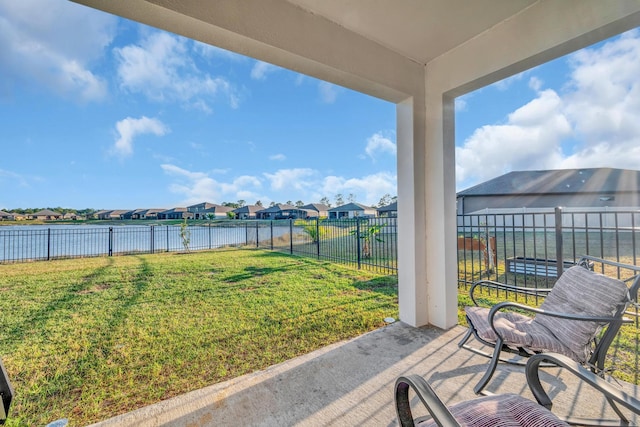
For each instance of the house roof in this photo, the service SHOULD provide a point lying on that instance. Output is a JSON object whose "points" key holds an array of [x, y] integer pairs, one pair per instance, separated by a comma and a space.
{"points": [[119, 212], [351, 207], [560, 181], [172, 210], [279, 207], [46, 212], [203, 205], [248, 209], [3, 213], [389, 208], [318, 207]]}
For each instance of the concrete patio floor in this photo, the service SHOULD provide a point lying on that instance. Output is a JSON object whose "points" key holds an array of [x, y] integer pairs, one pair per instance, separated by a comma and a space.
{"points": [[351, 383]]}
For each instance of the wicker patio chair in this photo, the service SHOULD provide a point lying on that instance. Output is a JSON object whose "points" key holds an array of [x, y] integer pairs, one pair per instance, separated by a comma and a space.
{"points": [[6, 393], [580, 316], [507, 409]]}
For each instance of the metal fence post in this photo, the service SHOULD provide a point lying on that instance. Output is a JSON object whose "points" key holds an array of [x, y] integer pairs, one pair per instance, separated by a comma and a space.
{"points": [[559, 241], [48, 244], [271, 226], [318, 236], [290, 235], [209, 235], [110, 241], [257, 235], [358, 242], [152, 239]]}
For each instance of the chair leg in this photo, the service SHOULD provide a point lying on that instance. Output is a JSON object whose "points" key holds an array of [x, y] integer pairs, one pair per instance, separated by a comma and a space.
{"points": [[465, 338], [493, 363]]}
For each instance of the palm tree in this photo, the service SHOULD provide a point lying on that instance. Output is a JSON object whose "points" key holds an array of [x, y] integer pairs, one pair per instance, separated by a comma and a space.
{"points": [[367, 234]]}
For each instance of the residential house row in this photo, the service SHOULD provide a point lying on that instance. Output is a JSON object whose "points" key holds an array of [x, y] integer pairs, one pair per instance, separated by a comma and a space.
{"points": [[204, 211]]}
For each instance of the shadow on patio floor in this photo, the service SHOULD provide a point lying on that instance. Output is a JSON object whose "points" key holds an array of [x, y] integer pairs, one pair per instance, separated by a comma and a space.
{"points": [[351, 383]]}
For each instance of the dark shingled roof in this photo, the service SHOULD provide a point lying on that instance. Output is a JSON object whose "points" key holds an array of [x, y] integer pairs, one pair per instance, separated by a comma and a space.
{"points": [[561, 181]]}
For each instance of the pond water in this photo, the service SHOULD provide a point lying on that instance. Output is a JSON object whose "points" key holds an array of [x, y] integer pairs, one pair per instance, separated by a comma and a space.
{"points": [[42, 242]]}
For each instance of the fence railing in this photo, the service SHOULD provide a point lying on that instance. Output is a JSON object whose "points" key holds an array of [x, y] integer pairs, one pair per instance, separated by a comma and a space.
{"points": [[526, 248], [533, 248], [362, 242]]}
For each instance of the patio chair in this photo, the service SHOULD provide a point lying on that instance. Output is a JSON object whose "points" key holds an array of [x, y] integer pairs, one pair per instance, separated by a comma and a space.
{"points": [[505, 409], [6, 393], [580, 317]]}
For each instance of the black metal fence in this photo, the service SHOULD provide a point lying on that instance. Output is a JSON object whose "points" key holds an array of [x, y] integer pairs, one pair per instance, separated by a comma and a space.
{"points": [[526, 248], [362, 242], [533, 248]]}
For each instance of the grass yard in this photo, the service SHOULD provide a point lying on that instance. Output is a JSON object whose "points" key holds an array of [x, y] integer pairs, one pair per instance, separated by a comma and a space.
{"points": [[87, 339]]}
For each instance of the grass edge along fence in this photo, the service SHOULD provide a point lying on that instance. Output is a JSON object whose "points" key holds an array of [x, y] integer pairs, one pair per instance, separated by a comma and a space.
{"points": [[368, 243]]}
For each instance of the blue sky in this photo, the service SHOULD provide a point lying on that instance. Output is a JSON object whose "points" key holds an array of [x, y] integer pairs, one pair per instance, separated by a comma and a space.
{"points": [[99, 112]]}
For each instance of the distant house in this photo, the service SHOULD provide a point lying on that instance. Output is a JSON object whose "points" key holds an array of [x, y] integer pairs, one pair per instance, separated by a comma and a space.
{"points": [[102, 214], [46, 215], [546, 189], [6, 216], [282, 211], [351, 210], [70, 215], [204, 210], [389, 210], [316, 210], [146, 213], [247, 211], [175, 213], [114, 214]]}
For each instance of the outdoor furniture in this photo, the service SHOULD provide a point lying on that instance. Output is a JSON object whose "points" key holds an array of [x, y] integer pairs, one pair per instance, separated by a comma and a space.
{"points": [[579, 317], [506, 409], [6, 393]]}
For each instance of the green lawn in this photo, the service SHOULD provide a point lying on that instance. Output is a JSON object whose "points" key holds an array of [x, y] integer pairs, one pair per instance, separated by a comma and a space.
{"points": [[87, 339]]}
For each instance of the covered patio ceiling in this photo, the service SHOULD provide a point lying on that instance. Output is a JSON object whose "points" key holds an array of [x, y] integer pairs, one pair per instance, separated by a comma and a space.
{"points": [[419, 54]]}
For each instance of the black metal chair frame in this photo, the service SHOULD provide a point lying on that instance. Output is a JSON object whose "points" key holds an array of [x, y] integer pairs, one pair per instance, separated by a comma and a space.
{"points": [[596, 361], [6, 392], [443, 416]]}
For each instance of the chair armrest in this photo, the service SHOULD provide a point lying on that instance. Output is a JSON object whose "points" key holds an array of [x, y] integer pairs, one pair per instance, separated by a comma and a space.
{"points": [[602, 319], [441, 415], [533, 379], [505, 287]]}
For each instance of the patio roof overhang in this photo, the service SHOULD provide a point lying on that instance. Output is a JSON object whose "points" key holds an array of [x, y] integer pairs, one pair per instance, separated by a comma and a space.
{"points": [[419, 54]]}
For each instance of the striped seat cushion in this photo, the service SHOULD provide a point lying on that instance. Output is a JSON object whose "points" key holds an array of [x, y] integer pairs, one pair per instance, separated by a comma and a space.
{"points": [[586, 293], [517, 330], [506, 410]]}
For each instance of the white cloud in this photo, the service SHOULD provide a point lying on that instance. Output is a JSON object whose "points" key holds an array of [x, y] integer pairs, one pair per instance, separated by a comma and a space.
{"points": [[196, 187], [48, 51], [160, 68], [460, 104], [261, 69], [130, 128], [529, 140], [328, 92], [593, 122], [13, 178], [378, 144], [368, 189], [278, 157], [304, 184], [535, 83], [291, 178]]}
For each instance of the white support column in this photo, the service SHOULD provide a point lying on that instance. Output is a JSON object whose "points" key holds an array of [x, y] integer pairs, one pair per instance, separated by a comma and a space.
{"points": [[412, 254]]}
